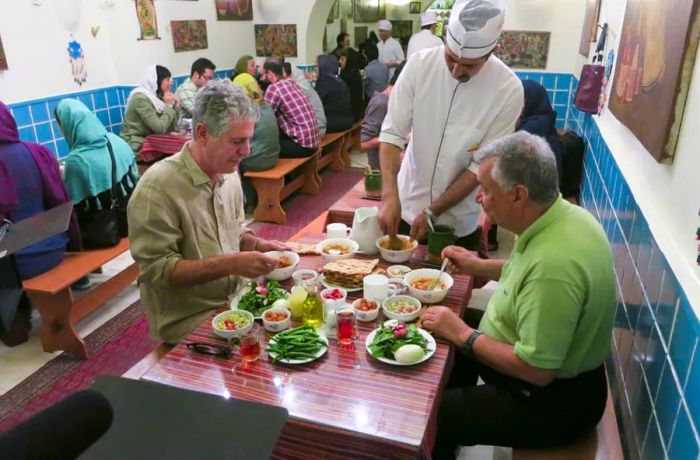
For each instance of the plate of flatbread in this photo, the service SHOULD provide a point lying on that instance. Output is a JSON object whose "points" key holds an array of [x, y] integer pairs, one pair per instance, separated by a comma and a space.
{"points": [[348, 273]]}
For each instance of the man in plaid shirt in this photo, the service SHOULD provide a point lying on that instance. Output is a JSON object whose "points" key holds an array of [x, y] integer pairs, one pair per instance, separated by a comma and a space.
{"points": [[299, 133], [202, 71]]}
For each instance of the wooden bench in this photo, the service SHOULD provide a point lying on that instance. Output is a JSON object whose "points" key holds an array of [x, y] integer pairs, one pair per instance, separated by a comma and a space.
{"points": [[271, 187], [331, 151], [51, 294]]}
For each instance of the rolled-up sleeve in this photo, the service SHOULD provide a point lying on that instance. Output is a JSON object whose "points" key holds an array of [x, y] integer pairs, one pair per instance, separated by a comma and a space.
{"points": [[154, 233], [399, 117]]}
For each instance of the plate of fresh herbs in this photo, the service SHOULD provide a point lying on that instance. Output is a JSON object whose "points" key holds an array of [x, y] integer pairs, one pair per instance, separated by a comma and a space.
{"points": [[260, 297], [383, 343]]}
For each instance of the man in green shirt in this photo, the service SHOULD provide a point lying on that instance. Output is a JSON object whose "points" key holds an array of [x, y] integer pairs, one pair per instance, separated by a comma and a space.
{"points": [[541, 344], [186, 219]]}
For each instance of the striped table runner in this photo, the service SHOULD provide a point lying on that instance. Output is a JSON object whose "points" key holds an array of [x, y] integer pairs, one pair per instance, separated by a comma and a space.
{"points": [[343, 405], [158, 145]]}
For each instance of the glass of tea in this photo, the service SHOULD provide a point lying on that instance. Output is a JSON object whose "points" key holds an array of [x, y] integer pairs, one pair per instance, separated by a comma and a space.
{"points": [[250, 345], [346, 325]]}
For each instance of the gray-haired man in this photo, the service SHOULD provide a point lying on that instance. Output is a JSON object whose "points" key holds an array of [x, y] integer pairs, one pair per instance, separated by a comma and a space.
{"points": [[186, 219], [541, 344]]}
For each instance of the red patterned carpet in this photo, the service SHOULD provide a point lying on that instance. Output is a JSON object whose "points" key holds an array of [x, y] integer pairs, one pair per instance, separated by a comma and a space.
{"points": [[123, 341]]}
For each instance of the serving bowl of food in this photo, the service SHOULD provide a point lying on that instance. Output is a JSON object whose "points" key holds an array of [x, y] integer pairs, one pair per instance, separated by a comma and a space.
{"points": [[276, 319], [397, 271], [401, 307], [398, 250], [366, 309], [337, 248], [232, 322], [288, 262], [420, 285]]}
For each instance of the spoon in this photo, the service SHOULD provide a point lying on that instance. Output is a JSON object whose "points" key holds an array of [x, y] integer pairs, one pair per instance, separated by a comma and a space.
{"points": [[442, 270], [430, 223]]}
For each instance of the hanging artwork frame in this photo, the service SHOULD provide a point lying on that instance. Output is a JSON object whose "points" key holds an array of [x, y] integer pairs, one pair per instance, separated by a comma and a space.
{"points": [[402, 28], [414, 8], [589, 31], [234, 10], [189, 35], [148, 23], [3, 58], [276, 39], [369, 10], [524, 49], [653, 71]]}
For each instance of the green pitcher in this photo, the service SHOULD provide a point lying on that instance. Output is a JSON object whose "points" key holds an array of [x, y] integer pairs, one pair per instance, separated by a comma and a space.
{"points": [[373, 183]]}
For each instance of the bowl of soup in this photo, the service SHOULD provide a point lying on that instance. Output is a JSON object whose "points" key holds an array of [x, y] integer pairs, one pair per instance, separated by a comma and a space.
{"points": [[420, 281], [401, 307], [394, 253], [337, 248], [288, 262]]}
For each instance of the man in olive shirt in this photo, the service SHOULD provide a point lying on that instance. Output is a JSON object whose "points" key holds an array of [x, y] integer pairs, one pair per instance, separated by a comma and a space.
{"points": [[542, 342], [186, 219]]}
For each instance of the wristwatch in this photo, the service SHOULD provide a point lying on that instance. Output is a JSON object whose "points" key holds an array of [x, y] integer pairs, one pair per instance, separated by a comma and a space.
{"points": [[468, 346], [430, 214]]}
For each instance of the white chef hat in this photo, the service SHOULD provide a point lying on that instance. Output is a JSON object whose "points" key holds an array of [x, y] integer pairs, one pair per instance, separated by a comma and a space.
{"points": [[475, 26], [428, 18], [384, 25]]}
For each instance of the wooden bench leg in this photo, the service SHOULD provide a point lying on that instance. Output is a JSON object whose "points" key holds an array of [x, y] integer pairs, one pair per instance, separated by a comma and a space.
{"points": [[57, 332], [312, 181], [337, 163], [269, 208], [345, 151]]}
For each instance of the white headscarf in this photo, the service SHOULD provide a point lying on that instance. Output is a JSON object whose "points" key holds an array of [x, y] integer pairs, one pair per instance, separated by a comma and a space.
{"points": [[475, 26], [148, 87]]}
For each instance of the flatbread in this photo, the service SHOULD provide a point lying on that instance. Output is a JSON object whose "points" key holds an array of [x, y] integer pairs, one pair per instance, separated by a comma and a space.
{"points": [[349, 273], [302, 249]]}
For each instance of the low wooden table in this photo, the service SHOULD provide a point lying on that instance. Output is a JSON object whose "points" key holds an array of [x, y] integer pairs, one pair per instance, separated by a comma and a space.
{"points": [[345, 404], [156, 146], [343, 210]]}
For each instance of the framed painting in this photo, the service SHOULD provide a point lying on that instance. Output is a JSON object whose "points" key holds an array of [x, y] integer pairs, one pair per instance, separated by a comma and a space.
{"points": [[345, 9], [369, 10], [234, 10], [401, 29], [3, 59], [334, 13], [522, 49], [146, 14], [414, 8], [653, 70], [360, 34], [189, 35], [276, 39], [590, 26]]}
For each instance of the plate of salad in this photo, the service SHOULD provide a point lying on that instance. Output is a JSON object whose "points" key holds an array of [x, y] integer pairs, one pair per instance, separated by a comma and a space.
{"points": [[300, 345], [400, 344], [260, 297]]}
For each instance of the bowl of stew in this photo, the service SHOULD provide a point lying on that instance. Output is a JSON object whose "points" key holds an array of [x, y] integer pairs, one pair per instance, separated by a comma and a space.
{"points": [[288, 262], [337, 248], [419, 285], [276, 319]]}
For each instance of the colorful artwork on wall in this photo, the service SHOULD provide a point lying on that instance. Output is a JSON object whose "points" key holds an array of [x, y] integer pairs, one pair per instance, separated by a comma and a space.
{"points": [[653, 71], [189, 35], [369, 10], [3, 59], [146, 13], [524, 49], [414, 8], [590, 26], [276, 39], [77, 61], [401, 29], [234, 10]]}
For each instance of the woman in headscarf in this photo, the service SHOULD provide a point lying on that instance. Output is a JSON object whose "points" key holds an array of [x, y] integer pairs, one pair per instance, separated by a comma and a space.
{"points": [[265, 144], [88, 172], [151, 108], [246, 64], [30, 183], [537, 116], [334, 95], [350, 73]]}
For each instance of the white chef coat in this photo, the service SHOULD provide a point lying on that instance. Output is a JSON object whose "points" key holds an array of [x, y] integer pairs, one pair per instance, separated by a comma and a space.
{"points": [[389, 51], [484, 108], [422, 40]]}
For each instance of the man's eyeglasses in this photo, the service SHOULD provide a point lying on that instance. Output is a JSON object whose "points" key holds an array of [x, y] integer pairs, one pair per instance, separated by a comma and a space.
{"points": [[209, 349]]}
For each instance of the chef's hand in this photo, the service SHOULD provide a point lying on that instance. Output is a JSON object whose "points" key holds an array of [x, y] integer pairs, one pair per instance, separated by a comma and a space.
{"points": [[446, 323], [461, 260], [252, 264], [419, 227], [271, 245], [390, 216]]}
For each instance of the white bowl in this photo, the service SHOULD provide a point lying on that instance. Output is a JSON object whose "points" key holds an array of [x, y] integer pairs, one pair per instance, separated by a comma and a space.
{"points": [[434, 296], [405, 317], [276, 326], [281, 274], [347, 242], [362, 315], [334, 302], [226, 334], [397, 271], [395, 256]]}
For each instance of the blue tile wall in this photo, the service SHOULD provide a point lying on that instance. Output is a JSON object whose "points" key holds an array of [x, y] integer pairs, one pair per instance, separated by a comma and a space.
{"points": [[654, 369], [35, 119]]}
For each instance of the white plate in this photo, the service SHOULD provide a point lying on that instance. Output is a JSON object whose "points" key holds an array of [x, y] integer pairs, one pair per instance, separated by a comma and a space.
{"points": [[329, 285], [430, 345], [233, 301], [318, 354]]}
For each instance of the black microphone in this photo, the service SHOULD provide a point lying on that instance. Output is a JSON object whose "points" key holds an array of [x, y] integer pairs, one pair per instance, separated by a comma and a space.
{"points": [[61, 432]]}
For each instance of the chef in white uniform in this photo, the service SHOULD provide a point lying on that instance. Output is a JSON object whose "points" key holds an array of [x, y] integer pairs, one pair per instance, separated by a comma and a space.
{"points": [[390, 51], [426, 38], [454, 98]]}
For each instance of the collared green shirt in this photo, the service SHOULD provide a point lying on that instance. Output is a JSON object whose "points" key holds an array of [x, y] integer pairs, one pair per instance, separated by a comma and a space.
{"points": [[555, 301], [176, 212]]}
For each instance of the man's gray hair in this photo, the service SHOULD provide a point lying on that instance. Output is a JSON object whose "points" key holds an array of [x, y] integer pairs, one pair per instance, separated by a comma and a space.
{"points": [[220, 102], [524, 159]]}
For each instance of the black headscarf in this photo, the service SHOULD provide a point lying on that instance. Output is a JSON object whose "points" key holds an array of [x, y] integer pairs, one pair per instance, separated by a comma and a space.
{"points": [[537, 117]]}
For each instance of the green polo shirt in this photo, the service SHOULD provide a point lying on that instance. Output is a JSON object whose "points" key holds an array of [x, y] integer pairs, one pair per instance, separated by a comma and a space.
{"points": [[556, 297]]}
